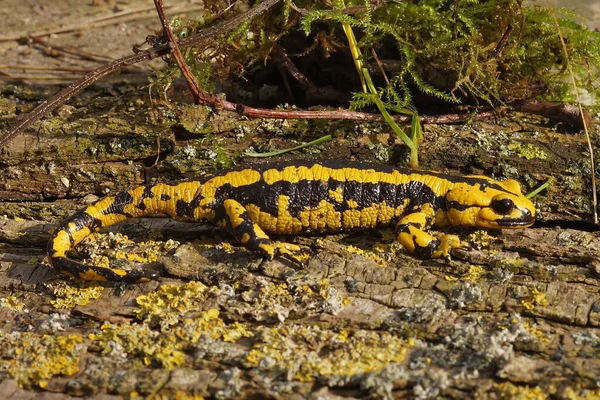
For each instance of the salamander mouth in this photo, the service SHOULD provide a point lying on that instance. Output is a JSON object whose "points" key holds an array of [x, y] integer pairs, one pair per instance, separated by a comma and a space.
{"points": [[526, 220]]}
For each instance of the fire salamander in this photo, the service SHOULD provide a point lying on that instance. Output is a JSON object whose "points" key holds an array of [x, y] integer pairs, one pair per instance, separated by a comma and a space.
{"points": [[305, 197]]}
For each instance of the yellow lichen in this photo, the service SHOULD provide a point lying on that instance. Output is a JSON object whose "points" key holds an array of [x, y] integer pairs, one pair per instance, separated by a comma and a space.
{"points": [[474, 273], [371, 255], [67, 296], [139, 341], [169, 303], [537, 333], [324, 287], [306, 353], [167, 349], [570, 394], [178, 395], [12, 303], [34, 359], [172, 321], [480, 239], [509, 390], [536, 298], [141, 252]]}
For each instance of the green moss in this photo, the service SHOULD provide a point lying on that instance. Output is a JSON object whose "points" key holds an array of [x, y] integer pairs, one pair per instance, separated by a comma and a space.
{"points": [[527, 150]]}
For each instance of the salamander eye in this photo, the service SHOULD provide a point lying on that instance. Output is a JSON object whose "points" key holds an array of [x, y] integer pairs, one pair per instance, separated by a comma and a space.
{"points": [[503, 206]]}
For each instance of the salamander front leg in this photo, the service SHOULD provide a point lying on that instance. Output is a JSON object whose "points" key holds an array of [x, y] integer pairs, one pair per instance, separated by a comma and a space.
{"points": [[239, 223], [411, 233]]}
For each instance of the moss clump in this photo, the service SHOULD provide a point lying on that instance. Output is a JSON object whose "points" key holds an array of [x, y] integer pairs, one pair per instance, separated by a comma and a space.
{"points": [[527, 151], [32, 359], [492, 51]]}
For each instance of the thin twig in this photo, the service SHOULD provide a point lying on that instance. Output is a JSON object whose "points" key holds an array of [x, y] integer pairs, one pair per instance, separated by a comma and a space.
{"points": [[380, 65], [253, 112], [502, 42], [183, 67], [62, 96], [585, 129]]}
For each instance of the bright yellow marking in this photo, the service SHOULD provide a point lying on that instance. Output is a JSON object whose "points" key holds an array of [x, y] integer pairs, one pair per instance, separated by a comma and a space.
{"points": [[285, 222], [61, 244], [290, 250], [234, 211], [479, 213], [323, 218], [265, 220], [96, 211], [78, 235], [270, 250], [294, 174], [337, 194], [244, 239], [259, 233], [379, 214], [352, 204], [91, 275], [205, 214]]}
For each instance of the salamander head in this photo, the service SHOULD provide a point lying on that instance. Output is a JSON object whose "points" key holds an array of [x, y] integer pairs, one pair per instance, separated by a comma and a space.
{"points": [[489, 204]]}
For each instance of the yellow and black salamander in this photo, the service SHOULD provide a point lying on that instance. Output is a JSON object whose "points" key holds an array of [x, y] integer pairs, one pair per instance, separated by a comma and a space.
{"points": [[304, 197]]}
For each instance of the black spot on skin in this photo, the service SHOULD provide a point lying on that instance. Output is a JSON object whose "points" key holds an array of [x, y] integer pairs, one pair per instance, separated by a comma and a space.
{"points": [[165, 197], [184, 209]]}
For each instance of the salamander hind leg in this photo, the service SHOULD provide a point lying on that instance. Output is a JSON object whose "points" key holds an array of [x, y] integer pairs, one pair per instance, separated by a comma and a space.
{"points": [[239, 223], [412, 235]]}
